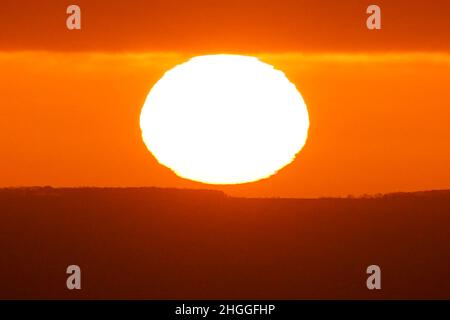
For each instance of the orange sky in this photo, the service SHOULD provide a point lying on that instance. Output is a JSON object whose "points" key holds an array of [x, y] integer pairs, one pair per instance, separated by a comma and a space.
{"points": [[378, 100]]}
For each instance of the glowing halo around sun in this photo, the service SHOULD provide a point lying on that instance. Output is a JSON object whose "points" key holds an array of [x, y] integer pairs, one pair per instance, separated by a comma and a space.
{"points": [[224, 119]]}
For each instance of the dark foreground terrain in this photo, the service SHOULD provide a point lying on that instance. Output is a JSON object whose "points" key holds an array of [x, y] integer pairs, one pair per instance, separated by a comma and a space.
{"points": [[150, 243]]}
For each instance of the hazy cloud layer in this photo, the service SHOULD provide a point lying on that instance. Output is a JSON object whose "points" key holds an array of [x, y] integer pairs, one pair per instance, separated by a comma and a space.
{"points": [[230, 25]]}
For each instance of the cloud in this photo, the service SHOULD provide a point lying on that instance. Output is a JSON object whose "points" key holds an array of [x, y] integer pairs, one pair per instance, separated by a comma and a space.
{"points": [[200, 26]]}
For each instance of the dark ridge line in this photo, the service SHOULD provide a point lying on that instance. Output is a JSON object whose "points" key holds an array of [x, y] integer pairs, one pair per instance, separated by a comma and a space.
{"points": [[390, 195]]}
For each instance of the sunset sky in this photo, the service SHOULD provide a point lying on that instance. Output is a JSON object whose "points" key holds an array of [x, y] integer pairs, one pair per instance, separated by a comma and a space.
{"points": [[378, 101]]}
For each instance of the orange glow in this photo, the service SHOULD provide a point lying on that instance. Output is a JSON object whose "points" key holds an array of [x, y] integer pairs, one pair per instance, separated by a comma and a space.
{"points": [[378, 101], [378, 122]]}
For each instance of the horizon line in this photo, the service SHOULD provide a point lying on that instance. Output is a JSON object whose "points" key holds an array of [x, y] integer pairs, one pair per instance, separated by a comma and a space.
{"points": [[364, 196]]}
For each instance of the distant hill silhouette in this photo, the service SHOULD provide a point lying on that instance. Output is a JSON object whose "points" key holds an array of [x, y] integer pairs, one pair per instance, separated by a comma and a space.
{"points": [[151, 243]]}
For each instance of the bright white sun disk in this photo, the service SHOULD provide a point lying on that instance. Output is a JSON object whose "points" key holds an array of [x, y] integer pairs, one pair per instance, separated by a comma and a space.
{"points": [[224, 119]]}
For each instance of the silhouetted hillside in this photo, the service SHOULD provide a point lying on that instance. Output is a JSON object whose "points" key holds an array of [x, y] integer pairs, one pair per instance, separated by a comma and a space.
{"points": [[155, 243]]}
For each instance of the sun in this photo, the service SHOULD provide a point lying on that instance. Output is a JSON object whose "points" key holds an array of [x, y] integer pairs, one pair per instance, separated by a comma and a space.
{"points": [[224, 119]]}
